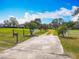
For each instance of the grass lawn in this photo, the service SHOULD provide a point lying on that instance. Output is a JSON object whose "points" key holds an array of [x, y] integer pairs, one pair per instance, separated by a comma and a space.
{"points": [[71, 43], [7, 40]]}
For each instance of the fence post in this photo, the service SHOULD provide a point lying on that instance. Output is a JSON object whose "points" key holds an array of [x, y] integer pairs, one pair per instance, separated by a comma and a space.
{"points": [[23, 33], [16, 35], [13, 32]]}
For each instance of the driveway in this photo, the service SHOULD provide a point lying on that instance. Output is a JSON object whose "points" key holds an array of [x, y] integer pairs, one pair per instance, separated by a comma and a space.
{"points": [[42, 47]]}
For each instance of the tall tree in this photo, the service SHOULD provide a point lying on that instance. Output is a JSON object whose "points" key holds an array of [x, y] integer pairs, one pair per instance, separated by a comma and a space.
{"points": [[6, 23], [60, 20], [55, 23], [55, 20], [31, 25], [38, 22], [13, 22]]}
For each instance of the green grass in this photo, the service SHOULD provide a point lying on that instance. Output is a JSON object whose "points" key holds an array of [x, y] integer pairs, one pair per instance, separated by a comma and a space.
{"points": [[7, 40], [71, 43]]}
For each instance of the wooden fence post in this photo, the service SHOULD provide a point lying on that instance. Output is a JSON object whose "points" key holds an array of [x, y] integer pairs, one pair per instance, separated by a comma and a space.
{"points": [[23, 33], [16, 35], [13, 32]]}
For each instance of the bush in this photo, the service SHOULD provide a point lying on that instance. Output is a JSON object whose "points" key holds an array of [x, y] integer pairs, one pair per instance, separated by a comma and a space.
{"points": [[62, 30]]}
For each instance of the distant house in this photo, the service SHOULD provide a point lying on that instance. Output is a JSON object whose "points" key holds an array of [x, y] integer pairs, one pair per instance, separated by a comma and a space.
{"points": [[1, 25], [21, 25]]}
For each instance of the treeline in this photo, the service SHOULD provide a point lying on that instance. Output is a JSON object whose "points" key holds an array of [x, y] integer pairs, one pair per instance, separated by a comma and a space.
{"points": [[37, 24], [12, 22]]}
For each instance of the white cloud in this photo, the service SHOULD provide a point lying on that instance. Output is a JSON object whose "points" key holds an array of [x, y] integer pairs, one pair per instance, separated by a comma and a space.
{"points": [[75, 17], [61, 13], [65, 12], [54, 14], [74, 8], [1, 20]]}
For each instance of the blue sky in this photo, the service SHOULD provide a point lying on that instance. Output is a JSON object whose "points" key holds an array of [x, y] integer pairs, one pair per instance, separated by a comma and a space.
{"points": [[18, 8]]}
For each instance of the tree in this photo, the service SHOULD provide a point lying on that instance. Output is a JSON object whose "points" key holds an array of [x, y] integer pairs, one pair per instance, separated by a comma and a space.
{"points": [[70, 24], [55, 20], [31, 25], [6, 23], [55, 23], [60, 20], [13, 22], [26, 25], [38, 22], [45, 26], [62, 30]]}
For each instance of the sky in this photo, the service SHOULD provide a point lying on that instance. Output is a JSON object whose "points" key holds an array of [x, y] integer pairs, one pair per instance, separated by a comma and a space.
{"points": [[27, 10]]}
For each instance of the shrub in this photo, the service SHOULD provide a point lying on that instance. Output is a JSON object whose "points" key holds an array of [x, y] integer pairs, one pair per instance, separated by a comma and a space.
{"points": [[62, 30]]}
